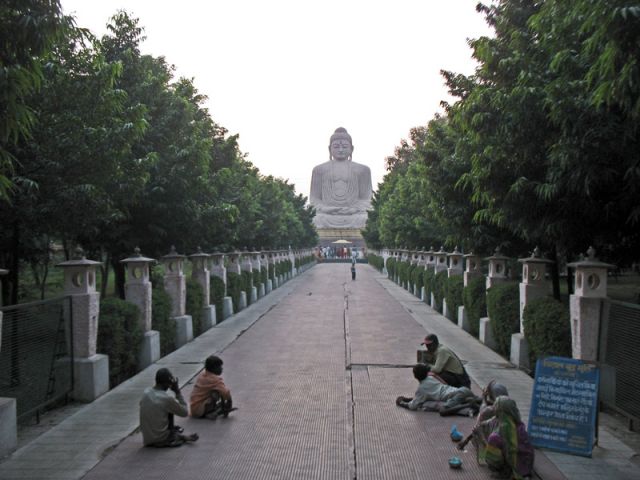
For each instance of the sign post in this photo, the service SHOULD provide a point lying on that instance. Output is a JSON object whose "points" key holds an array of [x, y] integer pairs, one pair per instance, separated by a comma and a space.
{"points": [[564, 405]]}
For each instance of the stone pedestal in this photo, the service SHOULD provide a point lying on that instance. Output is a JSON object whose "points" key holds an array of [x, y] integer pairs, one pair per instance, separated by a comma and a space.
{"points": [[446, 311], [432, 300], [261, 290], [227, 307], [208, 317], [486, 333], [150, 349], [269, 286], [8, 426], [585, 326], [243, 301], [519, 355], [184, 329], [463, 319], [140, 295], [254, 295], [91, 377]]}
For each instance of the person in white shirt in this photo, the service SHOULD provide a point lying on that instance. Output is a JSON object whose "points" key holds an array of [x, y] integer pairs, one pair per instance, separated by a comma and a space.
{"points": [[157, 410]]}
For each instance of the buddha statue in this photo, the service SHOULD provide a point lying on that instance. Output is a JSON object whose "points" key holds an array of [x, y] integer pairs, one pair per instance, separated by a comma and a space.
{"points": [[340, 188]]}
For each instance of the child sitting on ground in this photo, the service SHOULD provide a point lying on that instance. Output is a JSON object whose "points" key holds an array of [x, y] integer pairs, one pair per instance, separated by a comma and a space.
{"points": [[210, 397]]}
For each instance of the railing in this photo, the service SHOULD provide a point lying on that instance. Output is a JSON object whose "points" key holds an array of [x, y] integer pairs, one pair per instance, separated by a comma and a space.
{"points": [[36, 357]]}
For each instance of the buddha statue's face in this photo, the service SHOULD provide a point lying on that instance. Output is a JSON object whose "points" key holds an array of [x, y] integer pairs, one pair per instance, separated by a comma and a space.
{"points": [[340, 149]]}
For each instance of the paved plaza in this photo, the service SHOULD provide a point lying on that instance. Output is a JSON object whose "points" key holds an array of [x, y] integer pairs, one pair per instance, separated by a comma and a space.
{"points": [[314, 368]]}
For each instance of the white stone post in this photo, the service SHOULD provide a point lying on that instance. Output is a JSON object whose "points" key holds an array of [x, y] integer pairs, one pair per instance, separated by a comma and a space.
{"points": [[271, 259], [586, 305], [292, 258], [454, 267], [256, 264], [264, 265], [137, 290], [90, 369], [219, 270], [200, 273], [497, 274], [175, 286], [440, 260], [534, 285]]}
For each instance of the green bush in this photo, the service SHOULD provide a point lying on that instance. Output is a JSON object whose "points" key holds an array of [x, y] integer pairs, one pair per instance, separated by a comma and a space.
{"points": [[216, 295], [403, 273], [417, 278], [547, 328], [161, 319], [428, 280], [264, 276], [453, 294], [120, 337], [474, 297], [439, 289], [375, 261], [503, 308], [391, 268], [234, 287], [410, 270], [272, 272], [193, 304]]}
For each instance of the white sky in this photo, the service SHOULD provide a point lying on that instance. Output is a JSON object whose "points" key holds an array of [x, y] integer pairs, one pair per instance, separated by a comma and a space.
{"points": [[284, 74]]}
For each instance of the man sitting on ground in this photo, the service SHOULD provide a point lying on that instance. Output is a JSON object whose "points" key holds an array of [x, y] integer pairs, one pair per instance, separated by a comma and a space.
{"points": [[433, 395], [210, 397], [157, 410], [445, 363]]}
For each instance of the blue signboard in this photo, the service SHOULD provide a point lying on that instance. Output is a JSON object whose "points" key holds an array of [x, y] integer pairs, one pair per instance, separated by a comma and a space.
{"points": [[564, 405]]}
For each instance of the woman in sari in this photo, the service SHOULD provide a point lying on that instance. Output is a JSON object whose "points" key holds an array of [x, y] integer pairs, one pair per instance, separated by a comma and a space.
{"points": [[486, 422], [509, 453]]}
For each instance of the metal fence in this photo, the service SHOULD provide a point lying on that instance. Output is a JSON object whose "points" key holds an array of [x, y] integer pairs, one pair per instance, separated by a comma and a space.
{"points": [[36, 357], [620, 337]]}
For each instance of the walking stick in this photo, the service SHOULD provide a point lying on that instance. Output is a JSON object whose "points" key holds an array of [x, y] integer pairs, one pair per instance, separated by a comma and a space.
{"points": [[464, 442]]}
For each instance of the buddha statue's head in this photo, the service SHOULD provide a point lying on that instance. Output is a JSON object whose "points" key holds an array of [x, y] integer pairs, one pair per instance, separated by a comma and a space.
{"points": [[340, 146]]}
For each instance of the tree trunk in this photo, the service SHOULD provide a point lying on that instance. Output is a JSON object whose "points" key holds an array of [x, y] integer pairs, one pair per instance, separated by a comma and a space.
{"points": [[119, 278], [555, 275]]}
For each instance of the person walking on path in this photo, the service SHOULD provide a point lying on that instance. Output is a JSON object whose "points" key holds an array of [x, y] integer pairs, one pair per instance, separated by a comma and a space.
{"points": [[157, 410], [433, 395], [210, 396], [445, 363]]}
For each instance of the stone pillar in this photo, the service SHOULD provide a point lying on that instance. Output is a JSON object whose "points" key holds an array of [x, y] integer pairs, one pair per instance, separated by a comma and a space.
{"points": [[430, 262], [454, 268], [256, 264], [534, 285], [264, 266], [137, 290], [219, 270], [271, 259], [175, 286], [497, 274], [292, 258], [200, 273], [90, 369], [586, 305]]}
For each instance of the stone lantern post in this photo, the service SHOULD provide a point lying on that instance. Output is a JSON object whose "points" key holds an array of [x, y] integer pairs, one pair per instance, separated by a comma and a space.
{"points": [[256, 264], [472, 267], [292, 258], [455, 263], [137, 290], [440, 260], [272, 261], [586, 304], [497, 268], [90, 369], [534, 285], [497, 274], [431, 259], [200, 273], [175, 286], [219, 270]]}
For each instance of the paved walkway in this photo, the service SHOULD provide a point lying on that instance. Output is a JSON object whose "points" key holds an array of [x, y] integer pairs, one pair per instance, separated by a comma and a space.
{"points": [[314, 368]]}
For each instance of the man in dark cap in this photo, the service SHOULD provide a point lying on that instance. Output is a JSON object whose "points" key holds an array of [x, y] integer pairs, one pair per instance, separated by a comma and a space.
{"points": [[157, 410], [445, 363]]}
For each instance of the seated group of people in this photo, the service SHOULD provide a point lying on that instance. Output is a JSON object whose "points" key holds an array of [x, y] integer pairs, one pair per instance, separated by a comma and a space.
{"points": [[500, 437], [210, 398]]}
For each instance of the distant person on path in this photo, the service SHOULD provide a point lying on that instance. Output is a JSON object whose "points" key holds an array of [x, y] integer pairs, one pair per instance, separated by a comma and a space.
{"points": [[353, 271], [434, 395], [509, 453], [210, 397], [157, 410], [445, 363]]}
